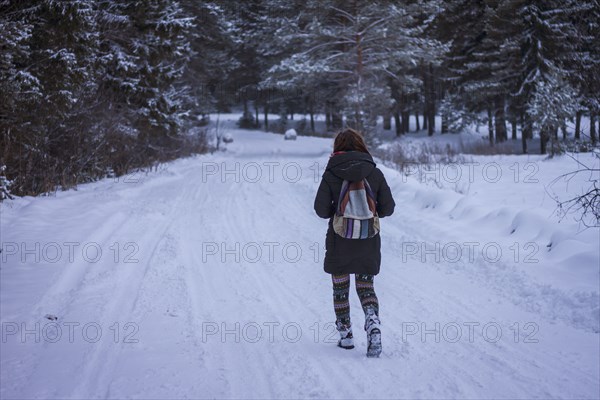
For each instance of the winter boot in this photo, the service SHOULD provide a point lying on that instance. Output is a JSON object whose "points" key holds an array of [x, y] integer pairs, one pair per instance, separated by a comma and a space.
{"points": [[373, 333], [346, 339]]}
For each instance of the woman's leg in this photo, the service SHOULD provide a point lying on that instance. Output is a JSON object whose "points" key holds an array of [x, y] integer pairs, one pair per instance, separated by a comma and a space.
{"points": [[370, 305], [366, 293], [341, 305]]}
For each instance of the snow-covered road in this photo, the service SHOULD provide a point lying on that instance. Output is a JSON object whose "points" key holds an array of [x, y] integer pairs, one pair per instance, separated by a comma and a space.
{"points": [[205, 280]]}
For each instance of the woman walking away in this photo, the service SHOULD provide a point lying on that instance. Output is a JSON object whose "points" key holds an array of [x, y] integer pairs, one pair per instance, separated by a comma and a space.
{"points": [[353, 194]]}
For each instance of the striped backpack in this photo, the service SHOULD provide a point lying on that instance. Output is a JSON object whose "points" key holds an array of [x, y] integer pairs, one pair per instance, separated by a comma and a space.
{"points": [[356, 214]]}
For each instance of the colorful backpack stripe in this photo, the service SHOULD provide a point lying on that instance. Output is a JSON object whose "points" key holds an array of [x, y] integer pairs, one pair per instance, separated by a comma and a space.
{"points": [[356, 214]]}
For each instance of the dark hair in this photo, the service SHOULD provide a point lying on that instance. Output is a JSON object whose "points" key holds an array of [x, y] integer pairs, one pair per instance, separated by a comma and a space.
{"points": [[350, 140]]}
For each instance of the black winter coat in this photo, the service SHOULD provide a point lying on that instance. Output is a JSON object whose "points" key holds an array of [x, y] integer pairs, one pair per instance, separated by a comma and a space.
{"points": [[351, 256]]}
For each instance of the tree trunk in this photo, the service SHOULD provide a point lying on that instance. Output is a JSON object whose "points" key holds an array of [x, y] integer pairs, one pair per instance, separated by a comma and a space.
{"points": [[431, 101], [431, 124], [513, 122], [500, 125], [266, 117], [500, 122], [444, 128], [593, 128], [336, 119], [543, 139], [490, 126], [312, 120], [418, 125], [328, 117], [563, 127], [257, 114], [525, 130], [399, 102], [554, 139], [360, 109], [429, 98], [406, 122], [526, 126], [387, 122], [398, 123], [578, 125]]}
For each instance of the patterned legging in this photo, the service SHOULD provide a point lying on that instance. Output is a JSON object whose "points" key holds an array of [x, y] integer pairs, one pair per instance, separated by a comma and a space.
{"points": [[341, 289]]}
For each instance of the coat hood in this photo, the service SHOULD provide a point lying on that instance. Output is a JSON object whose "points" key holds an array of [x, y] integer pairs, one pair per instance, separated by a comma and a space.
{"points": [[351, 165]]}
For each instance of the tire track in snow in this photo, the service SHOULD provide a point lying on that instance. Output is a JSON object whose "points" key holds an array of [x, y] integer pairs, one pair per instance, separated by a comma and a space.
{"points": [[61, 295], [118, 281], [100, 361], [173, 331], [249, 286]]}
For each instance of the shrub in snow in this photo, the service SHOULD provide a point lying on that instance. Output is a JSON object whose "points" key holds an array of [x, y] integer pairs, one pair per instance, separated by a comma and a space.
{"points": [[290, 134], [203, 120], [304, 128], [247, 121], [4, 185], [227, 138], [586, 205], [278, 126]]}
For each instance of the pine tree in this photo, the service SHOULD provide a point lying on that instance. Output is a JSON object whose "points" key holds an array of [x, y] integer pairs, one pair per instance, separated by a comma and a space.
{"points": [[537, 44], [48, 73], [357, 47], [89, 87], [244, 76], [465, 25], [210, 64], [586, 77]]}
